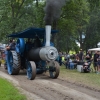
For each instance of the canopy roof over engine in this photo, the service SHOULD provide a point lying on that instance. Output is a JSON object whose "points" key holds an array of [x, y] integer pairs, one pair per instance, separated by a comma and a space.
{"points": [[31, 33]]}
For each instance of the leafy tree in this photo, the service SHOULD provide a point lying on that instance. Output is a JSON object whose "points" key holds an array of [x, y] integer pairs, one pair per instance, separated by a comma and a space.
{"points": [[77, 17], [93, 29], [17, 15], [72, 23]]}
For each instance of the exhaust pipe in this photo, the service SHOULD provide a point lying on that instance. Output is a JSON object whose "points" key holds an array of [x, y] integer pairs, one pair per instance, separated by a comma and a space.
{"points": [[48, 33]]}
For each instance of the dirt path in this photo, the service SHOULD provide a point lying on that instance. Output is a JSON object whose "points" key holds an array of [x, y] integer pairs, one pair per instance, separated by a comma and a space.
{"points": [[44, 88]]}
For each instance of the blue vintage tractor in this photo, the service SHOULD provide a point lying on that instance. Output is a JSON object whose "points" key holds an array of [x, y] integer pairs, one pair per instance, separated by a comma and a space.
{"points": [[35, 56]]}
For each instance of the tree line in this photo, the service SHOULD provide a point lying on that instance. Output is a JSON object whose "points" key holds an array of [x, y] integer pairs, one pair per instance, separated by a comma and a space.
{"points": [[78, 18]]}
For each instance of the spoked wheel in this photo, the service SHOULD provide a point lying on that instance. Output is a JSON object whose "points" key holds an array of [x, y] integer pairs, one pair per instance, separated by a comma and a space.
{"points": [[54, 70], [31, 70], [13, 63]]}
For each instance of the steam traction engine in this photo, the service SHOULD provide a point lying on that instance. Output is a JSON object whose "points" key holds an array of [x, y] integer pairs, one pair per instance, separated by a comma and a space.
{"points": [[36, 57]]}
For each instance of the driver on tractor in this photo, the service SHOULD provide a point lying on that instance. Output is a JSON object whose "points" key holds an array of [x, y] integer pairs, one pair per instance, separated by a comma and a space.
{"points": [[11, 46]]}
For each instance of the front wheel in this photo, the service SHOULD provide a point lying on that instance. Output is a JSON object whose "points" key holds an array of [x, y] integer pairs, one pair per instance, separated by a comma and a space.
{"points": [[31, 70], [54, 70]]}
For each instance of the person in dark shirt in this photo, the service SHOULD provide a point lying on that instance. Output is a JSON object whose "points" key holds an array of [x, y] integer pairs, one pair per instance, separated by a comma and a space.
{"points": [[98, 63], [60, 58], [37, 42], [96, 55], [80, 55], [88, 56], [11, 45], [28, 45]]}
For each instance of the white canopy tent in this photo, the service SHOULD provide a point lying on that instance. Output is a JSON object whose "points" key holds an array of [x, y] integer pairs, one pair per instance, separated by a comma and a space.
{"points": [[94, 49]]}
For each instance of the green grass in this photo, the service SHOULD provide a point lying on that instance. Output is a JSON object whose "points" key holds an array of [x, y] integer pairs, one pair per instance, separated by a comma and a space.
{"points": [[88, 79], [9, 92]]}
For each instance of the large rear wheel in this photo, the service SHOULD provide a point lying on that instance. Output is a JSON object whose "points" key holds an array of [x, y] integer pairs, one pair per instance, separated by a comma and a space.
{"points": [[54, 70], [31, 70], [13, 63]]}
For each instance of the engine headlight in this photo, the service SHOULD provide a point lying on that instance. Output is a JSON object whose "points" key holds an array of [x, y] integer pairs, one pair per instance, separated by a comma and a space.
{"points": [[48, 53]]}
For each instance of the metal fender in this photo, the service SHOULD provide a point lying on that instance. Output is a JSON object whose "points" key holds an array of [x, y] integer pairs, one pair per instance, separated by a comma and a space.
{"points": [[20, 45]]}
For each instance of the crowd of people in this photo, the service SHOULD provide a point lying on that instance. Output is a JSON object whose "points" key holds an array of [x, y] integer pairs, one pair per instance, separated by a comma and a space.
{"points": [[71, 61]]}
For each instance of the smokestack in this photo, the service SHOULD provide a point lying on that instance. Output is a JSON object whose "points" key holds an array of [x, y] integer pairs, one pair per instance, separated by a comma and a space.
{"points": [[52, 12], [48, 33]]}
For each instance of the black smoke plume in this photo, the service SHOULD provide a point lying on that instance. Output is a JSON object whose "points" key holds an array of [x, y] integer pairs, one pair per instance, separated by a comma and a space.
{"points": [[53, 10]]}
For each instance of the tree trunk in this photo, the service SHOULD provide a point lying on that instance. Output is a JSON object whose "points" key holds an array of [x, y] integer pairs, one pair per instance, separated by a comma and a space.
{"points": [[81, 44], [37, 3]]}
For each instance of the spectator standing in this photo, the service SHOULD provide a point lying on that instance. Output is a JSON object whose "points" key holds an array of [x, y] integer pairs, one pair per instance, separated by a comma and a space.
{"points": [[68, 56], [67, 60], [80, 55], [77, 56], [71, 64], [63, 57], [88, 56], [98, 63], [60, 58], [95, 61]]}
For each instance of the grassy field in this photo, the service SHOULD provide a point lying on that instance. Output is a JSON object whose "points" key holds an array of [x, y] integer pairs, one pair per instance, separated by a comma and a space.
{"points": [[9, 92], [88, 79]]}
